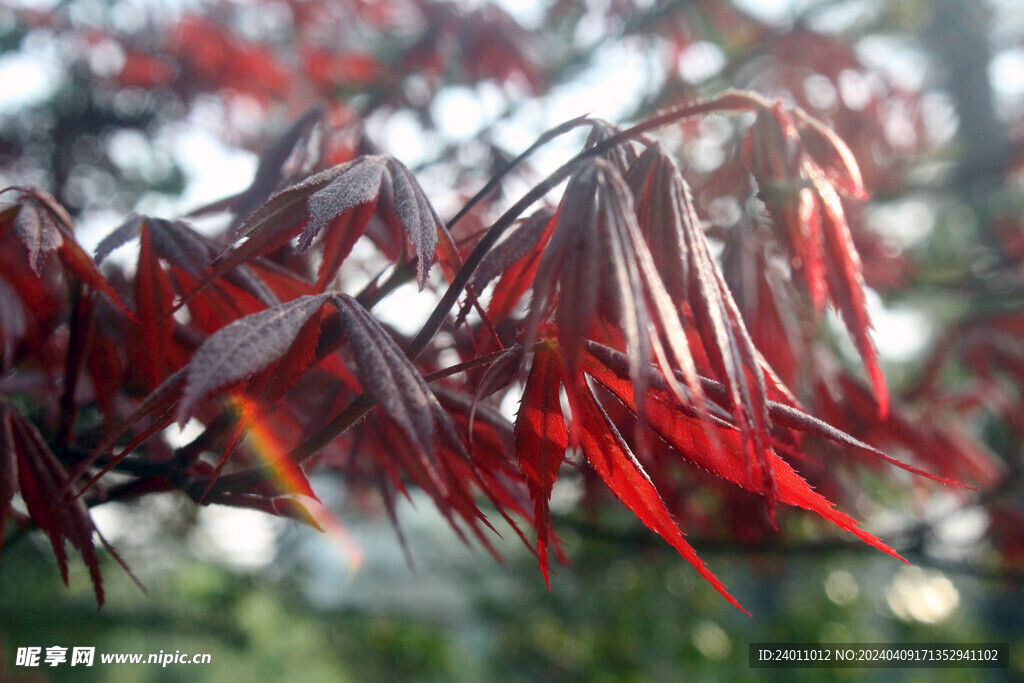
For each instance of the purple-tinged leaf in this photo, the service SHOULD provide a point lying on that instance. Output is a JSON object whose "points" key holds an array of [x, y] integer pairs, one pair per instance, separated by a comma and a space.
{"points": [[243, 348], [515, 246], [274, 169], [274, 223], [541, 441], [121, 235], [182, 246], [355, 183], [385, 183], [621, 157], [388, 376], [417, 216]]}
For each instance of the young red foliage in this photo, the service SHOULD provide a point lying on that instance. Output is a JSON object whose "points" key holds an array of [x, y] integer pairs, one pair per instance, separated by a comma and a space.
{"points": [[541, 440], [630, 315]]}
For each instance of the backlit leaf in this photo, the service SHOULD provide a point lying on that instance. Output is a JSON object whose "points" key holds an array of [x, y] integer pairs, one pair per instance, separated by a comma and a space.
{"points": [[38, 232], [605, 449], [541, 441]]}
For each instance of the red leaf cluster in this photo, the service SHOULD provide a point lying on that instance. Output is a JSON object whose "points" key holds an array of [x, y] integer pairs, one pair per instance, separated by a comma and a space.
{"points": [[631, 320]]}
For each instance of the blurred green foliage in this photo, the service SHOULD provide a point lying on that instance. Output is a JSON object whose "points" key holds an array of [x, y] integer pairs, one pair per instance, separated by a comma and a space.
{"points": [[619, 614]]}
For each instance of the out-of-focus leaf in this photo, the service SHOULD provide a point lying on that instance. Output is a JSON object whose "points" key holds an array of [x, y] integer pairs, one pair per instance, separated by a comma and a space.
{"points": [[831, 154], [13, 322], [44, 226], [800, 169], [520, 242], [8, 466], [272, 171], [39, 233], [42, 483]]}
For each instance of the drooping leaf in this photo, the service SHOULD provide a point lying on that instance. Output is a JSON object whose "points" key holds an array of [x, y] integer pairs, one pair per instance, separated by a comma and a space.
{"points": [[541, 442], [767, 301], [604, 271], [782, 415], [846, 284], [414, 212], [43, 485], [572, 261], [727, 457], [38, 232], [774, 155], [799, 186], [831, 154], [388, 376], [672, 226], [605, 449]]}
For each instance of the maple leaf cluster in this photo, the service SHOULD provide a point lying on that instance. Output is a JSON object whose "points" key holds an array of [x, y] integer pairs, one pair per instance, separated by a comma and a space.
{"points": [[657, 358]]}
